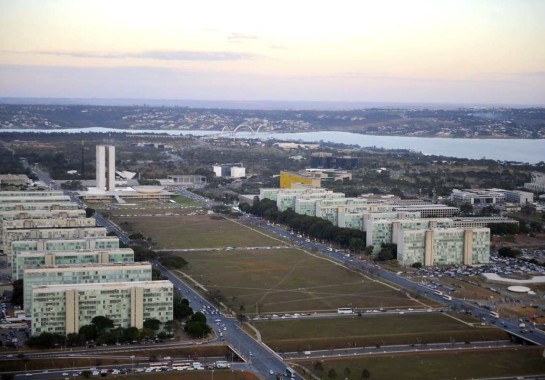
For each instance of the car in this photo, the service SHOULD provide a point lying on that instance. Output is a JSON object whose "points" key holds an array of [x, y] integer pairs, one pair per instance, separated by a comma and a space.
{"points": [[271, 372]]}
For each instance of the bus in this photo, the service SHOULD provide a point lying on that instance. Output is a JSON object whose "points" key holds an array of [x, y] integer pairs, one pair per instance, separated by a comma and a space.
{"points": [[447, 297], [494, 314], [438, 292], [345, 310], [290, 373]]}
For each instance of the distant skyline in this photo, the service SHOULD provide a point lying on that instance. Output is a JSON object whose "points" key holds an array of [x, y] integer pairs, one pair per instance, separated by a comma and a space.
{"points": [[457, 52]]}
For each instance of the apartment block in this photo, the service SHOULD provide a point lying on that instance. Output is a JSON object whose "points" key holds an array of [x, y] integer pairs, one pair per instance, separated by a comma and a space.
{"points": [[444, 246], [385, 231], [42, 205], [10, 236], [63, 309], [50, 258], [22, 224], [31, 194], [98, 243], [36, 199], [81, 274]]}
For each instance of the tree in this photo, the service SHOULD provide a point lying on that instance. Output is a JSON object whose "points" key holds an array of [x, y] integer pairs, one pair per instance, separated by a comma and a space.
{"points": [[89, 212], [197, 327], [152, 324], [181, 307], [89, 332], [332, 374], [101, 323], [75, 339], [318, 366], [387, 252], [509, 252], [17, 296], [365, 374], [417, 265]]}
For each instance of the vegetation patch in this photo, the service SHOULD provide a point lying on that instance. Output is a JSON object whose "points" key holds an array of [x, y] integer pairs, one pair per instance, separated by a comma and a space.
{"points": [[285, 280], [317, 334], [471, 364]]}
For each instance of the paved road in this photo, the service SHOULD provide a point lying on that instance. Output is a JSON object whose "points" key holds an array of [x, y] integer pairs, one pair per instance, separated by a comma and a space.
{"points": [[261, 358]]}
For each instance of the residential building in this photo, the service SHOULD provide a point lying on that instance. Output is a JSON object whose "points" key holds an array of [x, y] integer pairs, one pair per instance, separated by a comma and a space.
{"points": [[11, 235], [97, 243], [35, 206], [63, 309], [444, 246], [381, 231], [81, 274], [50, 258], [31, 193], [34, 199], [20, 224]]}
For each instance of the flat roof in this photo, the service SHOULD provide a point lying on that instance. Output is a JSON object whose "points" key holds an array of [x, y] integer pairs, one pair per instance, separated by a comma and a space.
{"points": [[87, 266], [73, 252], [106, 285]]}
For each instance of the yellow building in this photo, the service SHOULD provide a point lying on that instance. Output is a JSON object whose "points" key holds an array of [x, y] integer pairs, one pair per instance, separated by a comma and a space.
{"points": [[288, 179]]}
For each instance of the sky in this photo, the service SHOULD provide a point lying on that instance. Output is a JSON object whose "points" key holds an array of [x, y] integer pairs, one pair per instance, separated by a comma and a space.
{"points": [[477, 51]]}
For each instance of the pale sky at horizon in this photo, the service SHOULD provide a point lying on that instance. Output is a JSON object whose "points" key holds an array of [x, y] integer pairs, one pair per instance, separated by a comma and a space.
{"points": [[487, 51]]}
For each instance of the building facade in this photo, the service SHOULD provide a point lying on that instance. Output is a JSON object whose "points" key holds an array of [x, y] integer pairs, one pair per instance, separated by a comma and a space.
{"points": [[444, 246], [81, 274], [63, 309], [51, 258], [99, 243]]}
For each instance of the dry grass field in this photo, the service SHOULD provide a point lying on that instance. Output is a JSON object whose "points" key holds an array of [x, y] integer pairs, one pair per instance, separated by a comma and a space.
{"points": [[196, 231], [287, 280], [318, 334]]}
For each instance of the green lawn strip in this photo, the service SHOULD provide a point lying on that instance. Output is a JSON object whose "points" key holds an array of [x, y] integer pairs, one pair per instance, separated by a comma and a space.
{"points": [[286, 280], [314, 334], [469, 364], [196, 231]]}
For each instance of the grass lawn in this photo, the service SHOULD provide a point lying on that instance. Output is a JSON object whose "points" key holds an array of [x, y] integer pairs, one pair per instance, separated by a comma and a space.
{"points": [[286, 280], [432, 366], [196, 231], [185, 201], [315, 334]]}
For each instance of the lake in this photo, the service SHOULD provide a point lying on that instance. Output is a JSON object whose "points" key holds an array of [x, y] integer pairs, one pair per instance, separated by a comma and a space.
{"points": [[522, 150]]}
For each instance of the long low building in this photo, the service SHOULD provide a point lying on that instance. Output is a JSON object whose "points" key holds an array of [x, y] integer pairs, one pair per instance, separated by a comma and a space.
{"points": [[45, 198], [10, 235], [23, 224], [63, 309], [444, 246], [98, 243], [31, 194], [82, 274], [50, 258], [31, 206], [482, 221]]}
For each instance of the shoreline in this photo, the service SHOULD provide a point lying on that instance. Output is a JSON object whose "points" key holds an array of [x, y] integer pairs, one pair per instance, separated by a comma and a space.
{"points": [[225, 133]]}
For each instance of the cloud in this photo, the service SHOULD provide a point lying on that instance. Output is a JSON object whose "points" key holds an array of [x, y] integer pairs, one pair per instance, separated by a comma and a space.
{"points": [[278, 47], [160, 55], [239, 37]]}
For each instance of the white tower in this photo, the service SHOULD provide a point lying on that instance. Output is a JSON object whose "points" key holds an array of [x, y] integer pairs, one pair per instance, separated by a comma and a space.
{"points": [[111, 168], [104, 183], [101, 167]]}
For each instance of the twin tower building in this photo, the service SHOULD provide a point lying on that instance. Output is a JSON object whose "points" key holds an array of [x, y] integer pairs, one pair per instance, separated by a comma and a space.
{"points": [[105, 178]]}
